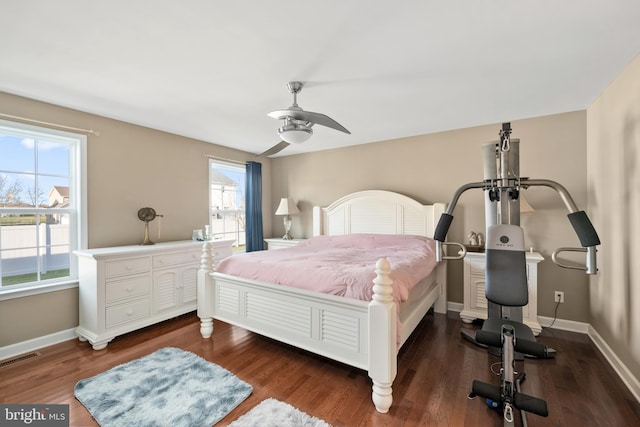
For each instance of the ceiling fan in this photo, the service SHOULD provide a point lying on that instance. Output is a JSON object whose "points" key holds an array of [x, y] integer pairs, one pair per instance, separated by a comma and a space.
{"points": [[297, 123]]}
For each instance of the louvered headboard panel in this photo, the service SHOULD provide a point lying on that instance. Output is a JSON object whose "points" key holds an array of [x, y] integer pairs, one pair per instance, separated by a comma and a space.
{"points": [[376, 211]]}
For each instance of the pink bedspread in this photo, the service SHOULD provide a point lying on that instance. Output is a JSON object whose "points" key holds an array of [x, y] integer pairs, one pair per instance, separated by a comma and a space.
{"points": [[340, 265]]}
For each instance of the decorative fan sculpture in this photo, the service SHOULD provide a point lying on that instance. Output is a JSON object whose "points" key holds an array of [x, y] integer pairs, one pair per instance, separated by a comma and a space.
{"points": [[147, 215]]}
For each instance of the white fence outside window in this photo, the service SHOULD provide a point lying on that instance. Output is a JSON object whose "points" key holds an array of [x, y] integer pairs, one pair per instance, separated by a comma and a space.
{"points": [[25, 247]]}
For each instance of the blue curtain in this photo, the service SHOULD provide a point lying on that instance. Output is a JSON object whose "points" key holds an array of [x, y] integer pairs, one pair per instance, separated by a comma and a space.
{"points": [[253, 210]]}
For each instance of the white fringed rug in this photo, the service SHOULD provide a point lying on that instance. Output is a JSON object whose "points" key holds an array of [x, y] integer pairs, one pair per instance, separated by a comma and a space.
{"points": [[273, 413]]}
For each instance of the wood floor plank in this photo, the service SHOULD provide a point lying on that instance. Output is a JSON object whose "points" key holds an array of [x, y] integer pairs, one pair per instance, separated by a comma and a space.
{"points": [[436, 368]]}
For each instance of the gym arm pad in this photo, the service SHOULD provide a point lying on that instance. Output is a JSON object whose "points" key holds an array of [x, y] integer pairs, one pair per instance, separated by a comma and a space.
{"points": [[492, 339], [443, 227], [584, 229], [531, 348], [493, 392]]}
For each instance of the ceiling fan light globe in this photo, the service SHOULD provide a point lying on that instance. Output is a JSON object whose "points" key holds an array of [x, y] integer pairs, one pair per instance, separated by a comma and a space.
{"points": [[295, 134]]}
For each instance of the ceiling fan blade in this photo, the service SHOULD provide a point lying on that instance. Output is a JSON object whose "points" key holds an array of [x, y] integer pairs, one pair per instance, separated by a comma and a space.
{"points": [[281, 114], [275, 149], [309, 116]]}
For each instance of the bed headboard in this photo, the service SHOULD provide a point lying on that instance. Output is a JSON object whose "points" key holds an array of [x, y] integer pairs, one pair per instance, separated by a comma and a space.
{"points": [[376, 211]]}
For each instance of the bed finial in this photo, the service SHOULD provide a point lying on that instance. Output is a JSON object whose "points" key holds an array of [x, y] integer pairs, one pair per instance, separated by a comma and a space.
{"points": [[382, 290]]}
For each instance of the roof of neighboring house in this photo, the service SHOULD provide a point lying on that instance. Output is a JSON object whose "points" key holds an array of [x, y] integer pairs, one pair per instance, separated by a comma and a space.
{"points": [[219, 178], [62, 191]]}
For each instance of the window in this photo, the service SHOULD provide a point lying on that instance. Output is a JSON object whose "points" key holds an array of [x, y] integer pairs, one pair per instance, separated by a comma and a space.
{"points": [[41, 208], [227, 202]]}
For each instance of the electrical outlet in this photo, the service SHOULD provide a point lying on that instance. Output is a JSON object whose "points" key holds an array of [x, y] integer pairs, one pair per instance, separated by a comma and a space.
{"points": [[558, 297]]}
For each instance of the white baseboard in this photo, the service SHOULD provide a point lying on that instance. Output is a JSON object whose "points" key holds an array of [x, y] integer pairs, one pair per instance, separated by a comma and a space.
{"points": [[564, 325], [621, 369], [454, 306], [23, 347]]}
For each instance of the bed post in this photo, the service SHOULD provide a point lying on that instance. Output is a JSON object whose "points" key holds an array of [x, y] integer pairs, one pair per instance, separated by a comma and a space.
{"points": [[205, 291], [317, 221], [382, 338]]}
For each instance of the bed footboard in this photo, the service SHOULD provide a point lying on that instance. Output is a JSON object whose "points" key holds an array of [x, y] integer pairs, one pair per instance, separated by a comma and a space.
{"points": [[358, 333]]}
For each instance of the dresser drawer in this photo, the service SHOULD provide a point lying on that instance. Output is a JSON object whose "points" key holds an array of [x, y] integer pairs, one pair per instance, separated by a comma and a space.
{"points": [[127, 266], [167, 260], [477, 267], [221, 252], [127, 287], [123, 313]]}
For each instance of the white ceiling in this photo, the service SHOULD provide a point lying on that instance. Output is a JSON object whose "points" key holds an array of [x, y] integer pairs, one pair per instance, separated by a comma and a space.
{"points": [[212, 70]]}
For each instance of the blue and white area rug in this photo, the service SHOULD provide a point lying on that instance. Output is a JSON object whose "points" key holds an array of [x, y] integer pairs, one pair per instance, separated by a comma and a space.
{"points": [[170, 387], [273, 413]]}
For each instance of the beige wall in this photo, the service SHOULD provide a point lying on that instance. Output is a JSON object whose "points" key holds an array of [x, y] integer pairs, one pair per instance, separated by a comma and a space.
{"points": [[128, 167], [594, 153], [430, 168], [613, 131], [131, 166]]}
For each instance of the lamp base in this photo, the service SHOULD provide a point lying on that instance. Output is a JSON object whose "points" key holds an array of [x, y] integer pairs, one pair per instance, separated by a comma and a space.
{"points": [[147, 240], [287, 227]]}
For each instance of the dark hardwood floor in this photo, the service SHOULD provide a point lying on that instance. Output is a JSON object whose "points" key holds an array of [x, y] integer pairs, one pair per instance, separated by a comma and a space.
{"points": [[436, 367]]}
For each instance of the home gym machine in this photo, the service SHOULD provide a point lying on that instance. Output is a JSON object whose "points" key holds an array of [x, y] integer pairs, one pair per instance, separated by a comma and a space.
{"points": [[506, 290]]}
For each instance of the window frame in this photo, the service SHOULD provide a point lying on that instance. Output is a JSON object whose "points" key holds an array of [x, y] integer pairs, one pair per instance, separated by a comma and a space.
{"points": [[77, 211], [236, 166]]}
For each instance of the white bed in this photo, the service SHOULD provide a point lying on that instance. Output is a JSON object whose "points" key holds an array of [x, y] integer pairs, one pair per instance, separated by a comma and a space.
{"points": [[332, 326]]}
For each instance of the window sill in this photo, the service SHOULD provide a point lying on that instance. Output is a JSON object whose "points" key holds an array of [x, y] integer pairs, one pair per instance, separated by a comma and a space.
{"points": [[8, 293]]}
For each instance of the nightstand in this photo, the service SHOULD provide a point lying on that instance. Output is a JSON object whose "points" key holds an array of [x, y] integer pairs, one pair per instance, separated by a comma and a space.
{"points": [[475, 303], [278, 243]]}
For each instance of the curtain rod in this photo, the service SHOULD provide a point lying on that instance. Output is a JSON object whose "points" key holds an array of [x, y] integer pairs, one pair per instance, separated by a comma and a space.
{"points": [[91, 131], [211, 156]]}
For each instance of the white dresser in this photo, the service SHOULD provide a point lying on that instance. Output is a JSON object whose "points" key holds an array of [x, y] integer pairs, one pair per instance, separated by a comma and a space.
{"points": [[475, 303], [126, 288]]}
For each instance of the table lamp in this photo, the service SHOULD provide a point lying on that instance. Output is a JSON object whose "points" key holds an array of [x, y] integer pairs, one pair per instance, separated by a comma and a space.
{"points": [[287, 208]]}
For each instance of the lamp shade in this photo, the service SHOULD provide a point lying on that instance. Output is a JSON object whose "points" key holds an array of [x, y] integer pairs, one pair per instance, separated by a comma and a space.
{"points": [[287, 207]]}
